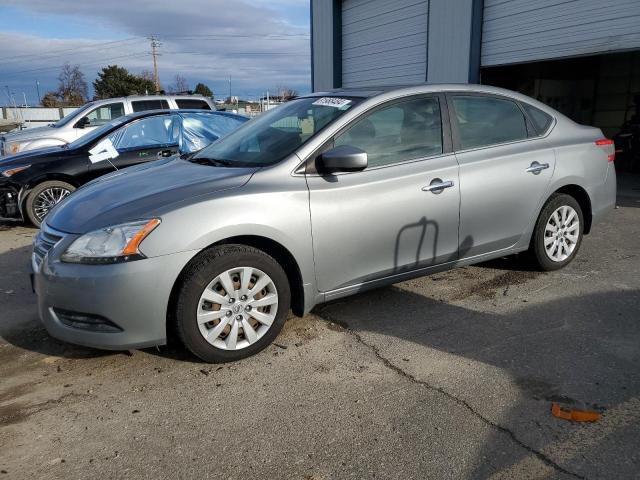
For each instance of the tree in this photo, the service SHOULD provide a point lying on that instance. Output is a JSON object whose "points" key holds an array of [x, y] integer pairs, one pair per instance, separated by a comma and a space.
{"points": [[180, 85], [50, 99], [115, 81], [202, 89], [285, 93], [72, 86]]}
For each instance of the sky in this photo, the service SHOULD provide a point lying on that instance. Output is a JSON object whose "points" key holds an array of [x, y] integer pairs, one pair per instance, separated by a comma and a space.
{"points": [[261, 44]]}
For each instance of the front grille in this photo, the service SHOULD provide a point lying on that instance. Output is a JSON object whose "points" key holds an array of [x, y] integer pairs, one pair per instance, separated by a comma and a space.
{"points": [[44, 241]]}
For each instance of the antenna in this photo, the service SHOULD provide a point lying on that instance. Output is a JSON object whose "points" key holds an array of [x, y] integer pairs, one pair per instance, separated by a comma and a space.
{"points": [[154, 53]]}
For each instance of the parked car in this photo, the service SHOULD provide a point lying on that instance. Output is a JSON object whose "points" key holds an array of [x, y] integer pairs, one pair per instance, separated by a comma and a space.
{"points": [[92, 115], [31, 183], [322, 197]]}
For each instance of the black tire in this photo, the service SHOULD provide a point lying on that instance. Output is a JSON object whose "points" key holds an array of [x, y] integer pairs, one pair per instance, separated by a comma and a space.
{"points": [[30, 203], [204, 269], [537, 250]]}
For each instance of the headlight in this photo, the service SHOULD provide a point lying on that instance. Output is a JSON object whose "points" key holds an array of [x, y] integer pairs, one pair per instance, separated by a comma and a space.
{"points": [[11, 148], [115, 244], [12, 171]]}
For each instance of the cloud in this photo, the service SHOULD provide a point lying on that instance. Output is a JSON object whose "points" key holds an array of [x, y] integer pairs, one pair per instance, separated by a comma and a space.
{"points": [[259, 46]]}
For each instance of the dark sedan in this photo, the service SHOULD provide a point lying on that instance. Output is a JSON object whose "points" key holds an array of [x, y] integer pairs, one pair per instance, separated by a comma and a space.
{"points": [[33, 182]]}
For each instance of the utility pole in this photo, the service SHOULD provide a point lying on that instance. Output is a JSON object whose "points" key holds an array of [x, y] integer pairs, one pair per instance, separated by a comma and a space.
{"points": [[230, 101], [154, 53], [38, 89]]}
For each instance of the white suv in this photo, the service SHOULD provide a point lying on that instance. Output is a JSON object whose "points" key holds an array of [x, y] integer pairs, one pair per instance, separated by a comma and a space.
{"points": [[92, 115]]}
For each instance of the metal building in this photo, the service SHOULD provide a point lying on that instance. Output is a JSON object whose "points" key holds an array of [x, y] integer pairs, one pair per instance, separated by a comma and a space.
{"points": [[581, 56]]}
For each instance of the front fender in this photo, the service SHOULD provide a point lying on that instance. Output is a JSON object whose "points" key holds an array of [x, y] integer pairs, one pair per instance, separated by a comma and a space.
{"points": [[281, 216], [43, 143]]}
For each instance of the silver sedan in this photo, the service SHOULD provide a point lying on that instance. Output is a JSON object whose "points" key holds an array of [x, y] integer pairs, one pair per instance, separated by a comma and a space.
{"points": [[323, 197]]}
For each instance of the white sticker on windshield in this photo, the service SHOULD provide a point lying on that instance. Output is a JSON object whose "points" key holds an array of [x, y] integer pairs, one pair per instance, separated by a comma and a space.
{"points": [[332, 102], [104, 150]]}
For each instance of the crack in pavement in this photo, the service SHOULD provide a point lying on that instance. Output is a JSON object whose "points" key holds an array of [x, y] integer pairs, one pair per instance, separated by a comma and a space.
{"points": [[463, 403]]}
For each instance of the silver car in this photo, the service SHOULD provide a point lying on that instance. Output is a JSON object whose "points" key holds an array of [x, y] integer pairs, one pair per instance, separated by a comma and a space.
{"points": [[91, 116], [323, 197]]}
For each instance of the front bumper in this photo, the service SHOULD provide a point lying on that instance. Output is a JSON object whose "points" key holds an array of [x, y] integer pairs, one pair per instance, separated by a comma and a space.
{"points": [[9, 199], [133, 296]]}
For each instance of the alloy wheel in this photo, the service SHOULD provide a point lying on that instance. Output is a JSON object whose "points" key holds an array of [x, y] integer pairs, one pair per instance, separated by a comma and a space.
{"points": [[47, 199], [562, 233]]}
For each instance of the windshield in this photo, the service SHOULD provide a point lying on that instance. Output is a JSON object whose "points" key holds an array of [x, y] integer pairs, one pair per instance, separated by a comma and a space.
{"points": [[97, 133], [76, 114], [276, 134]]}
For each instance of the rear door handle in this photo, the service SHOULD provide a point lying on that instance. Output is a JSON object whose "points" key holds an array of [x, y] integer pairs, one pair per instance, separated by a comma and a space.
{"points": [[536, 167], [437, 186]]}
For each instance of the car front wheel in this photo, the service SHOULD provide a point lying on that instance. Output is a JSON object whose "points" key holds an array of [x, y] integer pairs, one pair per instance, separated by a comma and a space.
{"points": [[558, 232], [232, 303], [44, 197]]}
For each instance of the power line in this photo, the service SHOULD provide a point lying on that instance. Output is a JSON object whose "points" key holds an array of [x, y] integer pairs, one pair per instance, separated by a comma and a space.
{"points": [[41, 69], [56, 53], [305, 54], [274, 36]]}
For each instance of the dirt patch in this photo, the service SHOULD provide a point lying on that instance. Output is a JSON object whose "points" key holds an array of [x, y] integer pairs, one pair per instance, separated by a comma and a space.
{"points": [[18, 412], [499, 284], [16, 391]]}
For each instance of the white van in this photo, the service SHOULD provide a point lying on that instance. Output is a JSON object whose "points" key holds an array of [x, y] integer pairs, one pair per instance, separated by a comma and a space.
{"points": [[92, 115]]}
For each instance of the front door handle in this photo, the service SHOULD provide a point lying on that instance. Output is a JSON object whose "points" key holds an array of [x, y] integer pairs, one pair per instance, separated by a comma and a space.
{"points": [[165, 153], [437, 186], [536, 167]]}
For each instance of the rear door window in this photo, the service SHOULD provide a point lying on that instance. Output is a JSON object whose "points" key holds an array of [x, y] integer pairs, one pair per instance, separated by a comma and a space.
{"points": [[192, 103], [142, 105], [485, 120], [105, 114]]}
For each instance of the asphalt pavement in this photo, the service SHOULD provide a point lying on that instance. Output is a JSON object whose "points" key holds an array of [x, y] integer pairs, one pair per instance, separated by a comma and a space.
{"points": [[447, 376]]}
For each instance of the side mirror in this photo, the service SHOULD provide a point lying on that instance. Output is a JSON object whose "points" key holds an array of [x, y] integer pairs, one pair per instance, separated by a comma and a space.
{"points": [[343, 158], [83, 122]]}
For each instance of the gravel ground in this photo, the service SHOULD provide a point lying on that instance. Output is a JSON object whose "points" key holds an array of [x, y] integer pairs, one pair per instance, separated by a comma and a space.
{"points": [[447, 376]]}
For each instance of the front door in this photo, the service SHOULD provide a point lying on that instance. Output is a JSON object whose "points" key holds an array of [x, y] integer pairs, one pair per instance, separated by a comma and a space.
{"points": [[389, 218], [140, 141], [504, 171]]}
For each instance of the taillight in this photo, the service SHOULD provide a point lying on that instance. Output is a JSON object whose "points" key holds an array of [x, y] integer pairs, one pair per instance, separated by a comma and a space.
{"points": [[609, 146]]}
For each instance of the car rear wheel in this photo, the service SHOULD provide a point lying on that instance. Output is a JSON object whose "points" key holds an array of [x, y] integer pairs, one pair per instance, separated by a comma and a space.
{"points": [[44, 197], [232, 303], [558, 233]]}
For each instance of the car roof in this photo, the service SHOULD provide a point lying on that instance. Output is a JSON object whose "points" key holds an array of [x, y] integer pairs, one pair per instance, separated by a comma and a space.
{"points": [[391, 91], [162, 96], [151, 113]]}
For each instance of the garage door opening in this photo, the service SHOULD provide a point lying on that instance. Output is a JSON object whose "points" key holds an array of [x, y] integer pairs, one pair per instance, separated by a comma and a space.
{"points": [[599, 90]]}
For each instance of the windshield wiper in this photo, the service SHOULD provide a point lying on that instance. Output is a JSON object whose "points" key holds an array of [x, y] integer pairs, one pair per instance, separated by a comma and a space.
{"points": [[210, 161]]}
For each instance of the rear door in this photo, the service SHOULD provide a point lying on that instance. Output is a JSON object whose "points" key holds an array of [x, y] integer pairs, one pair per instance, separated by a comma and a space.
{"points": [[140, 141], [504, 170], [384, 221]]}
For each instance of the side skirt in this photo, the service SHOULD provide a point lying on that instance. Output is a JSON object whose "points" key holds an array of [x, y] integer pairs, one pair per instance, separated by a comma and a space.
{"points": [[362, 287]]}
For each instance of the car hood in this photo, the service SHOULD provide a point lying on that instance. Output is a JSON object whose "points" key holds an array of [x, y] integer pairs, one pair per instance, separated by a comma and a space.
{"points": [[28, 134], [31, 156], [141, 192]]}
